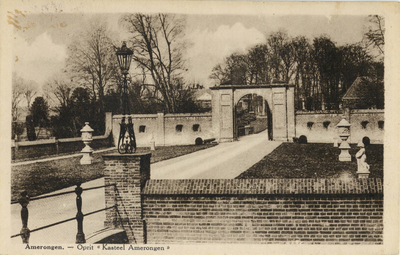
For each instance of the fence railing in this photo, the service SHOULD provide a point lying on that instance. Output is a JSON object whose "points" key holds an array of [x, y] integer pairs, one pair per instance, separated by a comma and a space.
{"points": [[80, 236]]}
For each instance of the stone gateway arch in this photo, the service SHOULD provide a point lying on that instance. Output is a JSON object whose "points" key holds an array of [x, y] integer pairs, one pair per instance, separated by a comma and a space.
{"points": [[278, 96]]}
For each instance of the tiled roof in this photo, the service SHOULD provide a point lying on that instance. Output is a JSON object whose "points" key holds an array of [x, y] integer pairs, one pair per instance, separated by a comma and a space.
{"points": [[354, 91], [263, 186]]}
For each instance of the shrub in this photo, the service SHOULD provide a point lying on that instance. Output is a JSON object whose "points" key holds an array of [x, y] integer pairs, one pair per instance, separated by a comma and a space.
{"points": [[303, 139]]}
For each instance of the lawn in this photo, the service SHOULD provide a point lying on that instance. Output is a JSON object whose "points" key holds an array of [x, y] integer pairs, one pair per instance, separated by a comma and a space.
{"points": [[293, 160], [44, 177]]}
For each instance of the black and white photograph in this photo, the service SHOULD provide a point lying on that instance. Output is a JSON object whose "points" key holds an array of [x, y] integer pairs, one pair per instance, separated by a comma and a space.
{"points": [[199, 127]]}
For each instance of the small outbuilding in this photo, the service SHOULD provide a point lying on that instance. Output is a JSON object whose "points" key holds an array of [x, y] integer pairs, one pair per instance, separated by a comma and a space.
{"points": [[364, 93]]}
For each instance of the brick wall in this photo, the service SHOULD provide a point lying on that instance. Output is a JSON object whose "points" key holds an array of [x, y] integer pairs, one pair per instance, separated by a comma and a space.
{"points": [[266, 211], [162, 127], [129, 173], [319, 133], [262, 211]]}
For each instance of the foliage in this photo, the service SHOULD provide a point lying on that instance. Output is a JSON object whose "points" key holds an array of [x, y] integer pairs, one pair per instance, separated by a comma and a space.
{"points": [[17, 129], [320, 70], [371, 93], [71, 118], [40, 113], [30, 128]]}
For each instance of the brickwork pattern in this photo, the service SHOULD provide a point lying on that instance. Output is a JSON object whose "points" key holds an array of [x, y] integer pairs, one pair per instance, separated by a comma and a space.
{"points": [[129, 172], [264, 211], [264, 186]]}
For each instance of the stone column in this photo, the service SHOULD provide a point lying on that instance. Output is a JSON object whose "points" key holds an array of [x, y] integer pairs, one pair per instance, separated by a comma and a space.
{"points": [[129, 172]]}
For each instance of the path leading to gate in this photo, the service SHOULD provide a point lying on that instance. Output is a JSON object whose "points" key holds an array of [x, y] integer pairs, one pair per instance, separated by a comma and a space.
{"points": [[224, 161]]}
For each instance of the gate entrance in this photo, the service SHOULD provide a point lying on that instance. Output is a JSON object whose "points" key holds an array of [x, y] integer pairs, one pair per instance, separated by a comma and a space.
{"points": [[252, 115], [278, 101]]}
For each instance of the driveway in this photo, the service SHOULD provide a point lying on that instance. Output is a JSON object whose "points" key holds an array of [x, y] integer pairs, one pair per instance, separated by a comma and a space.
{"points": [[224, 161]]}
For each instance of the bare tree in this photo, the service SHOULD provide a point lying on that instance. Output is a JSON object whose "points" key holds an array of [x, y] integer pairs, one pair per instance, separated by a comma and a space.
{"points": [[17, 95], [375, 36], [91, 59], [30, 89], [158, 47], [218, 74], [59, 89]]}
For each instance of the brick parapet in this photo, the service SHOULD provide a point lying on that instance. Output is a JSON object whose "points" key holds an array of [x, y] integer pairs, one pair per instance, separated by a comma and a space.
{"points": [[129, 173], [372, 186], [264, 211]]}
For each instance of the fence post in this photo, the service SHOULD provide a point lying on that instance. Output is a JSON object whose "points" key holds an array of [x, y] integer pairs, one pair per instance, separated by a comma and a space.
{"points": [[80, 236], [57, 149], [24, 201]]}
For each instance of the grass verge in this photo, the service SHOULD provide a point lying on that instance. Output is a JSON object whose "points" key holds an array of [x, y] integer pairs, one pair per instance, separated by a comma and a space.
{"points": [[293, 160], [44, 177]]}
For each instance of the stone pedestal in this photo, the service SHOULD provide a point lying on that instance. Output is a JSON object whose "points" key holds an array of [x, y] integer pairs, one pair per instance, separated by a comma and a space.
{"points": [[344, 151], [87, 151], [129, 173], [344, 133]]}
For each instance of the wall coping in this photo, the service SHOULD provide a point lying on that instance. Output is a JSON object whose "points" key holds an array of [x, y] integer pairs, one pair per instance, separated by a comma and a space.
{"points": [[339, 112], [263, 186], [168, 115], [253, 86], [126, 156]]}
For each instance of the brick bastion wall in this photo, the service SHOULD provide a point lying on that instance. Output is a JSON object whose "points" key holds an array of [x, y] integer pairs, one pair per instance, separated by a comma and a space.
{"points": [[264, 211]]}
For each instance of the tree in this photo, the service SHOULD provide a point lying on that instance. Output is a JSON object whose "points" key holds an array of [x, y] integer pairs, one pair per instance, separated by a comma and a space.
{"points": [[281, 55], [92, 60], [59, 90], [356, 62], [218, 75], [17, 94], [328, 60], [29, 91], [158, 47], [40, 113], [375, 36]]}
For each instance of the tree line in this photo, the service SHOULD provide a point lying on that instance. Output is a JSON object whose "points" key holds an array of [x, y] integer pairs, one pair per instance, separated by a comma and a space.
{"points": [[321, 71], [92, 84]]}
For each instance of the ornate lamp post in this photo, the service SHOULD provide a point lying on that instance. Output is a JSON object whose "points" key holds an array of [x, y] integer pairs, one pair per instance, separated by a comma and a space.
{"points": [[126, 141]]}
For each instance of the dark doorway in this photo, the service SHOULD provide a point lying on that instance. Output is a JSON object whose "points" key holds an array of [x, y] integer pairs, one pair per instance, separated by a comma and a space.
{"points": [[252, 115]]}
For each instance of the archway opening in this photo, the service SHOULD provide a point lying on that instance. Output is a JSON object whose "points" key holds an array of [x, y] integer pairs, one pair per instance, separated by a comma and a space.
{"points": [[252, 115]]}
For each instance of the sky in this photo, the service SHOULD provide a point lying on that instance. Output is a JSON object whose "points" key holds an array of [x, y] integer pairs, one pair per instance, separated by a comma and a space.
{"points": [[41, 40]]}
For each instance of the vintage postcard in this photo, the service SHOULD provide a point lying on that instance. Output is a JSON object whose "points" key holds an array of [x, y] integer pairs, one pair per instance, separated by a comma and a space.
{"points": [[199, 127]]}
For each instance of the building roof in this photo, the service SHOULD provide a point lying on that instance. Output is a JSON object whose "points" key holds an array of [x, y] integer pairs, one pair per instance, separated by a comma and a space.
{"points": [[202, 94], [355, 90]]}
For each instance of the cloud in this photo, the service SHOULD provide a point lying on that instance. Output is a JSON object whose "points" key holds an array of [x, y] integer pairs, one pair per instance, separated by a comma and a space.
{"points": [[40, 59], [210, 48]]}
